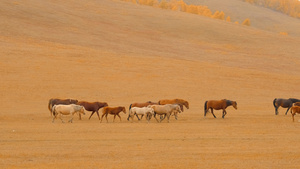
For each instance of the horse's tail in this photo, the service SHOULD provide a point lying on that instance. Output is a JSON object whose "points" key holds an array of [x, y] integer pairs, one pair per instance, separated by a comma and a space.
{"points": [[130, 107], [274, 102], [205, 107], [50, 106], [53, 111], [129, 112]]}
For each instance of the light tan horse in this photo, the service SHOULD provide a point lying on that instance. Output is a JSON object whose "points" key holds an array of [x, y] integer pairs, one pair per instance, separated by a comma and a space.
{"points": [[294, 110], [180, 102], [218, 105], [144, 111], [113, 111], [140, 105], [66, 110], [54, 101], [166, 110]]}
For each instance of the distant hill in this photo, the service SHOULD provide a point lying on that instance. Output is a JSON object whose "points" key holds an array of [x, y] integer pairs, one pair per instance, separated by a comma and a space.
{"points": [[260, 17]]}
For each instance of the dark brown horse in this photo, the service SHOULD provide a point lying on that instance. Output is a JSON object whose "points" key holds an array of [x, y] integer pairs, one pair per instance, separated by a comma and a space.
{"points": [[113, 111], [180, 102], [218, 105], [296, 104], [53, 102], [92, 106], [140, 105], [285, 103]]}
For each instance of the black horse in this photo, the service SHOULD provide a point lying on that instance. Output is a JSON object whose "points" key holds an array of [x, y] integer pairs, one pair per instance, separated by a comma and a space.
{"points": [[285, 103]]}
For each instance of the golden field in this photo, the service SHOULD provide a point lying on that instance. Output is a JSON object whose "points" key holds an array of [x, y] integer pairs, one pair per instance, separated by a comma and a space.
{"points": [[120, 53]]}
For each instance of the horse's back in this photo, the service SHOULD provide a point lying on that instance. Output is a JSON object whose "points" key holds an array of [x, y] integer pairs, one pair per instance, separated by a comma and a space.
{"points": [[174, 101], [167, 101], [162, 108], [216, 104], [140, 105], [67, 109], [112, 110]]}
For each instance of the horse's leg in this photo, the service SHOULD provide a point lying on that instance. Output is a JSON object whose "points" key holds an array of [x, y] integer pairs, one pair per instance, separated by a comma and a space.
{"points": [[137, 117], [79, 116], [119, 117], [71, 120], [224, 113], [102, 117], [106, 117], [168, 115], [212, 112], [162, 118], [156, 118], [92, 114], [98, 114], [293, 117], [54, 118], [61, 118], [287, 110], [114, 118]]}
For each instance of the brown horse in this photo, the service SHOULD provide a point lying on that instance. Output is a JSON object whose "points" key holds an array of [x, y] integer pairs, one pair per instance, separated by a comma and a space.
{"points": [[294, 110], [92, 106], [53, 102], [285, 103], [113, 111], [180, 102], [296, 104], [140, 105], [218, 105]]}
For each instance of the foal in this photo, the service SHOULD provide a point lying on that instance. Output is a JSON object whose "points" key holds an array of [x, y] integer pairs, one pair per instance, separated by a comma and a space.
{"points": [[294, 110], [113, 111]]}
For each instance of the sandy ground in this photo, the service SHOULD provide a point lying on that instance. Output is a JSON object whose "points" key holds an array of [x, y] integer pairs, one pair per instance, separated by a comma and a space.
{"points": [[122, 53]]}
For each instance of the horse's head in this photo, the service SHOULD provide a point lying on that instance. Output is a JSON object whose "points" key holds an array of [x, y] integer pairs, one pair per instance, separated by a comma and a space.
{"points": [[234, 104], [73, 101], [124, 110], [151, 110], [82, 110], [179, 108], [186, 104], [105, 104]]}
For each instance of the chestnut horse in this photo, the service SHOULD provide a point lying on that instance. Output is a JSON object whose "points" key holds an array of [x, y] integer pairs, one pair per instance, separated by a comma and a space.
{"points": [[53, 102], [218, 105], [113, 111], [285, 103], [92, 106], [296, 104], [294, 110], [140, 105], [180, 102]]}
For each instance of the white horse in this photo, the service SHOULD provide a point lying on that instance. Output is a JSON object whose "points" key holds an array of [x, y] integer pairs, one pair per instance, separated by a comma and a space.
{"points": [[166, 110], [144, 111], [66, 110]]}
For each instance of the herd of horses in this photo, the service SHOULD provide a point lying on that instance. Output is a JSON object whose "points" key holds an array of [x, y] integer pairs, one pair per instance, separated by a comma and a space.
{"points": [[163, 108]]}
